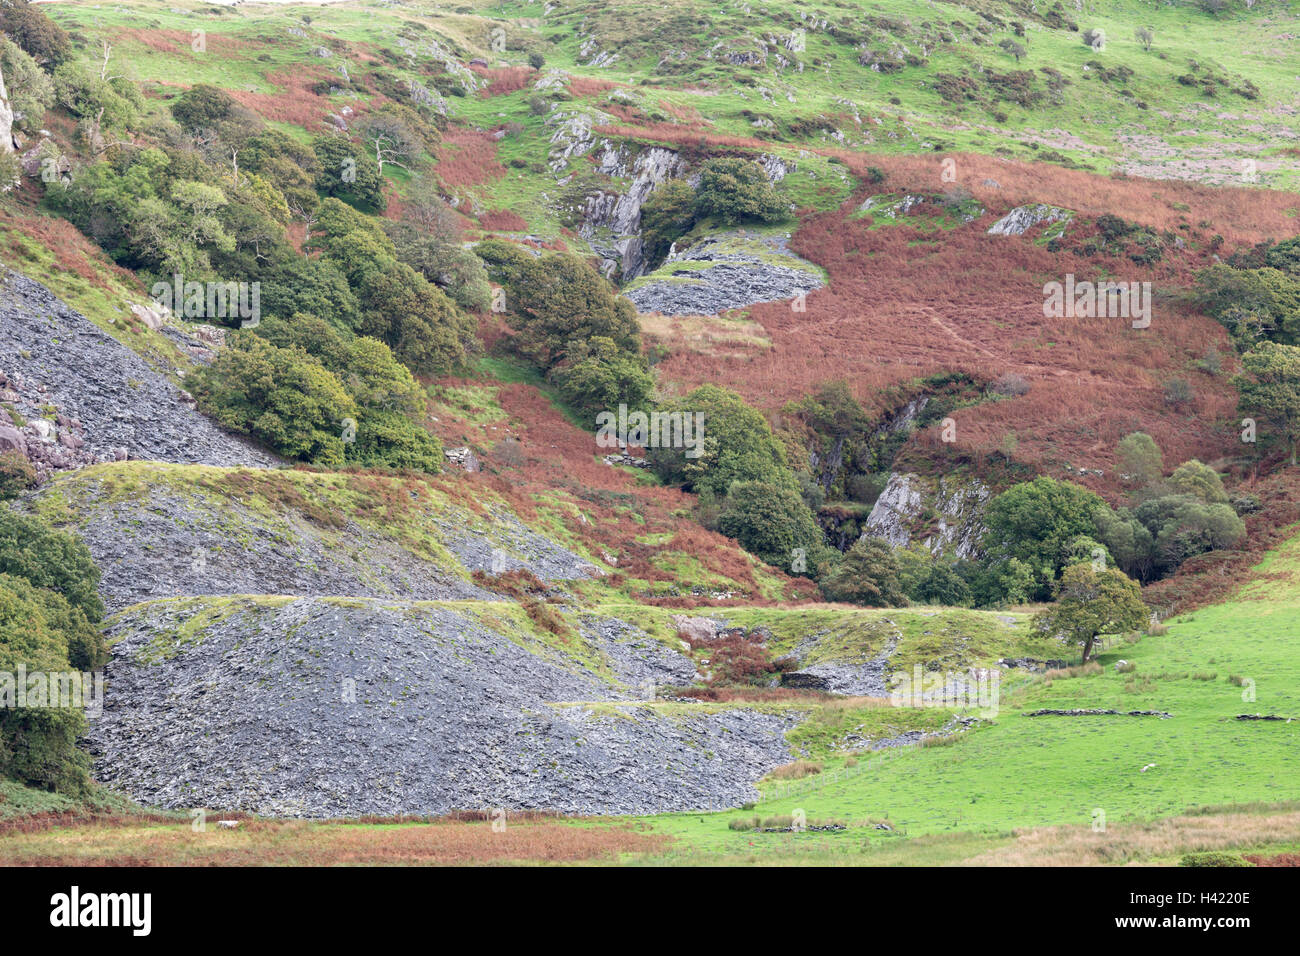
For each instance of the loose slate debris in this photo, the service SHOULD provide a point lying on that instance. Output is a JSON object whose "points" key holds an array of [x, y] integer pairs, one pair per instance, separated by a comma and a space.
{"points": [[1099, 713], [1264, 717]]}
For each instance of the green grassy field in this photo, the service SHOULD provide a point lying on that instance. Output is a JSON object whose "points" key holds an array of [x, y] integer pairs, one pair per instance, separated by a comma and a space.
{"points": [[1022, 771]]}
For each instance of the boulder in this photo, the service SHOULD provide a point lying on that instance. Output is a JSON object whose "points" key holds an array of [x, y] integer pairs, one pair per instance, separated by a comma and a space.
{"points": [[11, 440]]}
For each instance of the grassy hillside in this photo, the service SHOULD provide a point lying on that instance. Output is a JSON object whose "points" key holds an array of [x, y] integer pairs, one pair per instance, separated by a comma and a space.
{"points": [[1020, 771]]}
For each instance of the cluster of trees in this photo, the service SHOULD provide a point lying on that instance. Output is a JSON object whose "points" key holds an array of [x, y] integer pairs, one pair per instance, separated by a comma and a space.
{"points": [[730, 191], [316, 394], [570, 322], [1256, 295], [50, 615], [209, 193]]}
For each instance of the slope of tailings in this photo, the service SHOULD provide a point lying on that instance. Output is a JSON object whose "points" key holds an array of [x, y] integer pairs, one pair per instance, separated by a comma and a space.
{"points": [[84, 397], [320, 708], [160, 531]]}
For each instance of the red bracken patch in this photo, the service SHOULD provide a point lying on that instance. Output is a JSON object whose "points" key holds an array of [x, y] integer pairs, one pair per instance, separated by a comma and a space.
{"points": [[503, 220], [505, 80], [468, 157]]}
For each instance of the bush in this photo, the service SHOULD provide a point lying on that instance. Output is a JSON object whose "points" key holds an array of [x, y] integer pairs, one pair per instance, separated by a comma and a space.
{"points": [[735, 191], [38, 35], [558, 303], [604, 378], [16, 475], [282, 396], [869, 575], [770, 521], [202, 107], [666, 216], [1213, 858], [738, 446], [349, 172]]}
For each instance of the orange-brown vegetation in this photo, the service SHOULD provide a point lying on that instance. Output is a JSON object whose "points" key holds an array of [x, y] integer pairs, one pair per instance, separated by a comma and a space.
{"points": [[505, 80], [503, 220], [295, 102], [142, 841], [467, 157], [905, 302], [73, 252]]}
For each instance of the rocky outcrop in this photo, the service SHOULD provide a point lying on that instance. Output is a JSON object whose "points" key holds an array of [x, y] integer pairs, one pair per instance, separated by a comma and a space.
{"points": [[318, 708], [6, 119], [1023, 218], [572, 135], [725, 271], [79, 396], [612, 221], [945, 513]]}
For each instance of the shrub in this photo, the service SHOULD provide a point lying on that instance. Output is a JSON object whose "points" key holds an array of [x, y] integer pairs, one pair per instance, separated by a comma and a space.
{"points": [[1213, 858], [282, 396], [737, 190], [604, 378], [41, 632], [349, 172], [1140, 460], [738, 446], [16, 475], [770, 521], [202, 106], [38, 35], [666, 216], [54, 560], [868, 574], [795, 771]]}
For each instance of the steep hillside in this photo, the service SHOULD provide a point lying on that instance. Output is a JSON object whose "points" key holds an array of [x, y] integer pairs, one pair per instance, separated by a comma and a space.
{"points": [[325, 330]]}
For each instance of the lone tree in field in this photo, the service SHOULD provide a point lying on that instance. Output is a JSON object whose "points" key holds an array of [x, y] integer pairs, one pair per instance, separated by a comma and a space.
{"points": [[1270, 389], [1012, 48], [1091, 602]]}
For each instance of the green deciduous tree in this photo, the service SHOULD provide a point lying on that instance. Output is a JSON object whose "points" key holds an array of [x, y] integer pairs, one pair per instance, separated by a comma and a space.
{"points": [[1090, 603], [1270, 392], [868, 574], [282, 396], [738, 445], [1035, 521], [50, 559], [735, 191], [770, 521], [1140, 461]]}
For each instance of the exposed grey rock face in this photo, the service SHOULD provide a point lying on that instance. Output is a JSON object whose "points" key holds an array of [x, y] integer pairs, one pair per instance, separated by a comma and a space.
{"points": [[612, 221], [957, 503], [741, 271], [316, 708], [6, 120], [1023, 218], [573, 136], [109, 403]]}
